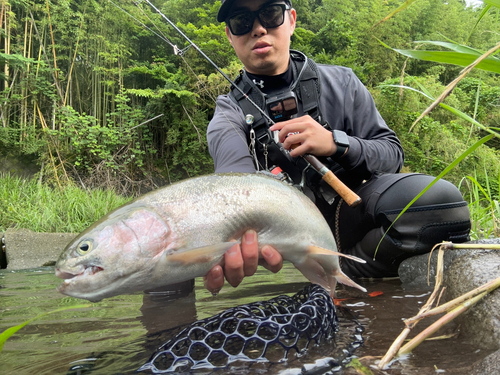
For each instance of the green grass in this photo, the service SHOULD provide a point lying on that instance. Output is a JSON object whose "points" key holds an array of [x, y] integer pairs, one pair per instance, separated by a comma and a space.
{"points": [[41, 208], [484, 208]]}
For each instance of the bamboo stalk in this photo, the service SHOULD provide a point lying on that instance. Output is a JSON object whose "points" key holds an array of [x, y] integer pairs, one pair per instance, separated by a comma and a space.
{"points": [[7, 42], [40, 39], [44, 126], [73, 62], [53, 42]]}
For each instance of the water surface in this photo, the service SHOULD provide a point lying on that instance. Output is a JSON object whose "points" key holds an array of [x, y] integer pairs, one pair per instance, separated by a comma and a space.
{"points": [[118, 335]]}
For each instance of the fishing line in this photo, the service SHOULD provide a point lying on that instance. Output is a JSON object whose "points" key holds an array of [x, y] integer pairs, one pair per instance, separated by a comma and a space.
{"points": [[326, 174], [210, 61], [181, 53], [162, 37]]}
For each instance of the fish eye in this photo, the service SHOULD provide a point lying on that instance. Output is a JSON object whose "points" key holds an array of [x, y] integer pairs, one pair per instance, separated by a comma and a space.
{"points": [[84, 247]]}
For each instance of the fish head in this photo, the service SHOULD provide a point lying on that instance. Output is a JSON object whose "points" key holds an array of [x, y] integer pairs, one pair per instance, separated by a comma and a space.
{"points": [[114, 255]]}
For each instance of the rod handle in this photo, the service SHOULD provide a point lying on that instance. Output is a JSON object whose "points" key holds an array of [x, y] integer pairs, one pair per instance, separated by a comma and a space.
{"points": [[349, 196]]}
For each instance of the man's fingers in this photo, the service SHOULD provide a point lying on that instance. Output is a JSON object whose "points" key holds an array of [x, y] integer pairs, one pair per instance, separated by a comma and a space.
{"points": [[233, 268], [273, 260], [250, 252], [214, 279]]}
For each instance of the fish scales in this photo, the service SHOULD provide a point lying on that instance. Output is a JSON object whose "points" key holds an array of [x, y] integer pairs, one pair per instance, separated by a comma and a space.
{"points": [[233, 204], [181, 231]]}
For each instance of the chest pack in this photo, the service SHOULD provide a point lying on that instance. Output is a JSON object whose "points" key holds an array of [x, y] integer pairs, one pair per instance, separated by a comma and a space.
{"points": [[306, 88]]}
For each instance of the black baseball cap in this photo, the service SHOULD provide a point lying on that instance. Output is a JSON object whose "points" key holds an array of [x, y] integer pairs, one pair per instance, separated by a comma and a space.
{"points": [[226, 7]]}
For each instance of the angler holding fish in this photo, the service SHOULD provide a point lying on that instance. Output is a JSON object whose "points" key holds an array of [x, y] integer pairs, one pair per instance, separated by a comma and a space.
{"points": [[327, 112], [284, 110]]}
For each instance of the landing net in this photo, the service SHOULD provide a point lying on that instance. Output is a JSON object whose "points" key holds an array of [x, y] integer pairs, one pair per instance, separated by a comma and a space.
{"points": [[266, 331]]}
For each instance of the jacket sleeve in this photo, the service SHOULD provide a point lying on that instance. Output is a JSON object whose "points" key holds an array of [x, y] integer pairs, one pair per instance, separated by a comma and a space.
{"points": [[227, 136], [348, 105]]}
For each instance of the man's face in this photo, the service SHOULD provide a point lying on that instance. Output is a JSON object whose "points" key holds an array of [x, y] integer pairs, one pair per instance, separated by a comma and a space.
{"points": [[263, 51]]}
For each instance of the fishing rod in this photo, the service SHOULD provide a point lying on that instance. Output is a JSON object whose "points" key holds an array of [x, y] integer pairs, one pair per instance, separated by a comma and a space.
{"points": [[350, 197]]}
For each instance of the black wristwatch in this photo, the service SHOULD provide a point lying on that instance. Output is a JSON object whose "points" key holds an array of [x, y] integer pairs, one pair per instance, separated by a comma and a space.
{"points": [[342, 141]]}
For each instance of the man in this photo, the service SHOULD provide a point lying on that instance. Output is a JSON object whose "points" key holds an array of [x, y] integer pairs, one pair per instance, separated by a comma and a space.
{"points": [[337, 122]]}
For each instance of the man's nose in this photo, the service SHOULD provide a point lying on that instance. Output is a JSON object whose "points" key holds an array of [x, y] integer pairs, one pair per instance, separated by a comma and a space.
{"points": [[258, 29]]}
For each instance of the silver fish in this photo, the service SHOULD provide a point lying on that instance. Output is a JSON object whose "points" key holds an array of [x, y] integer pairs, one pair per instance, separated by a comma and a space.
{"points": [[181, 231]]}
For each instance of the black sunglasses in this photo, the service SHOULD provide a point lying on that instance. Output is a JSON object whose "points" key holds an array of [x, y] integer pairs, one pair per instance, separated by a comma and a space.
{"points": [[269, 16]]}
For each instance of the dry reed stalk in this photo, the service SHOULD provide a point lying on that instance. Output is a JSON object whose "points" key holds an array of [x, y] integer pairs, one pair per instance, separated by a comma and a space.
{"points": [[453, 83], [454, 308], [417, 340], [396, 345], [486, 288]]}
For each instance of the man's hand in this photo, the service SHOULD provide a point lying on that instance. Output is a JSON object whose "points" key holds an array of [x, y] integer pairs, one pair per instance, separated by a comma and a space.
{"points": [[306, 135], [241, 261]]}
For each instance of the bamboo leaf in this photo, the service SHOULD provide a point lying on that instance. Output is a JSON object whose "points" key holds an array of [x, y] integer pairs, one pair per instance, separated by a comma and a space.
{"points": [[403, 6], [495, 3], [452, 45], [12, 330], [483, 13], [490, 64]]}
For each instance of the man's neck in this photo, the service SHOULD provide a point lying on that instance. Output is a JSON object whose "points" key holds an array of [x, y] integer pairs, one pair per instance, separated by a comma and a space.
{"points": [[267, 84]]}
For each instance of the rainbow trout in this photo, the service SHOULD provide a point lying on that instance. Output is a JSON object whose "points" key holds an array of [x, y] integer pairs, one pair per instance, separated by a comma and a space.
{"points": [[181, 231]]}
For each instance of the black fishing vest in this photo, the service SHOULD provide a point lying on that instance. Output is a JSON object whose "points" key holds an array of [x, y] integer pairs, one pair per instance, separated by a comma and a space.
{"points": [[307, 91]]}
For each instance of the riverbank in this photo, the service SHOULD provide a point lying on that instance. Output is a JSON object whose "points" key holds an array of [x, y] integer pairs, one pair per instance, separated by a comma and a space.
{"points": [[25, 249]]}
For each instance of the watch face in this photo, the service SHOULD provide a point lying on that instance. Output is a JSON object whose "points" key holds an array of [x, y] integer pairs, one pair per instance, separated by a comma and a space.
{"points": [[340, 138]]}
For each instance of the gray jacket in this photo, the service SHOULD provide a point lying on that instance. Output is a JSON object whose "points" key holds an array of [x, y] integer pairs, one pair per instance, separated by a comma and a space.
{"points": [[346, 105]]}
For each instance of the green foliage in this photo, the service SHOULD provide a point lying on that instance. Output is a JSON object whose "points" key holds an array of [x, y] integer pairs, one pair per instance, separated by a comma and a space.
{"points": [[41, 208], [82, 80], [484, 205], [440, 137]]}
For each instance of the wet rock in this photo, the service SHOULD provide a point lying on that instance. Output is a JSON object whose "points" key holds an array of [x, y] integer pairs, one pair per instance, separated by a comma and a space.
{"points": [[481, 324], [27, 249], [488, 366], [415, 271]]}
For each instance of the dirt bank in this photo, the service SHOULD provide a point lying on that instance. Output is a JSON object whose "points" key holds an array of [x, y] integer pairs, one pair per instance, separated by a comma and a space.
{"points": [[24, 249]]}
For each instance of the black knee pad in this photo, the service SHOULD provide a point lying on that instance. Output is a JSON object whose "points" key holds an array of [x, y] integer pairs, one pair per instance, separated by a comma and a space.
{"points": [[441, 214]]}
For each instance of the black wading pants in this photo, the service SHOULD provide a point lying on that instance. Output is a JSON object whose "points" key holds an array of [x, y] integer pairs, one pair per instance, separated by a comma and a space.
{"points": [[439, 215]]}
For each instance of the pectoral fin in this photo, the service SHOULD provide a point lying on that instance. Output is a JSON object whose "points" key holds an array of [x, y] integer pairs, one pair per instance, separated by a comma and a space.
{"points": [[201, 254]]}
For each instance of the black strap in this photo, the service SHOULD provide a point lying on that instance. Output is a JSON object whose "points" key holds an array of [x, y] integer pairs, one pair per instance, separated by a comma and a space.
{"points": [[308, 92]]}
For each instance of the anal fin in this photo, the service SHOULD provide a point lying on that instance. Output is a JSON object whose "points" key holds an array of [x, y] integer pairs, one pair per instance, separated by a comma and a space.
{"points": [[326, 258]]}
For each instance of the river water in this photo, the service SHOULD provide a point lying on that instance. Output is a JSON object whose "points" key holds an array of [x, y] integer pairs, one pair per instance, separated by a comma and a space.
{"points": [[118, 335]]}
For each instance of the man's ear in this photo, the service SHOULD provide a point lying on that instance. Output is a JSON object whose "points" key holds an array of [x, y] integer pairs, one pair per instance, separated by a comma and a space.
{"points": [[293, 20], [229, 36]]}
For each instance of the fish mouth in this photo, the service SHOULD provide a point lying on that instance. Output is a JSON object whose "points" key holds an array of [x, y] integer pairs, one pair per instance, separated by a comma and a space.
{"points": [[68, 277]]}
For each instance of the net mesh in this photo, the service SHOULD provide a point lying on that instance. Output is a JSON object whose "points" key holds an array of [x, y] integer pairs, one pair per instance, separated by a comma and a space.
{"points": [[262, 331]]}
